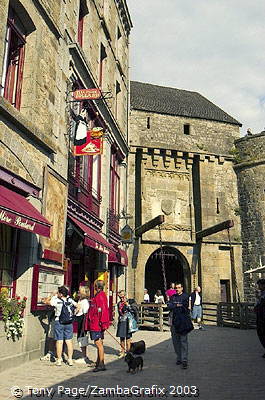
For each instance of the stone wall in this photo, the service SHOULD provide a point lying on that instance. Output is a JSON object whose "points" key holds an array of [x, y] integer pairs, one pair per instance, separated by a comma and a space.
{"points": [[250, 170]]}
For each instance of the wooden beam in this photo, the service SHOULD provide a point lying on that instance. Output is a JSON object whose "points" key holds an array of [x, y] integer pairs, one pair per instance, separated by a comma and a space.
{"points": [[149, 225], [214, 229]]}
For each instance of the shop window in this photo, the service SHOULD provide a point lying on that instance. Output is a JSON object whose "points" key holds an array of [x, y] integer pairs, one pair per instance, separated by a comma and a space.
{"points": [[14, 53], [103, 56], [186, 129], [8, 245]]}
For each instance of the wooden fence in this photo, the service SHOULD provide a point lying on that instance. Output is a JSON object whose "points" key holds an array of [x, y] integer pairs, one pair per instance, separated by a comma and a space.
{"points": [[236, 315]]}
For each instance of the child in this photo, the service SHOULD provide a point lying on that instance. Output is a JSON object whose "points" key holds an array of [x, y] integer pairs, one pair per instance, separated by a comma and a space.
{"points": [[82, 309]]}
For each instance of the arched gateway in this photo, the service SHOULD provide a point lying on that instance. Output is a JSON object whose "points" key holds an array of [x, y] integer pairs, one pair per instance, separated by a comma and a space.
{"points": [[176, 266]]}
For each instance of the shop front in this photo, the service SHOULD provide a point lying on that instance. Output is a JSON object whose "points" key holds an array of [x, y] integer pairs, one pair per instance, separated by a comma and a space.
{"points": [[87, 252]]}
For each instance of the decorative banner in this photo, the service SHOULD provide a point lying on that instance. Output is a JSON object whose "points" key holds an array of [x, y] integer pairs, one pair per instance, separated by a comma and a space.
{"points": [[92, 146], [87, 94]]}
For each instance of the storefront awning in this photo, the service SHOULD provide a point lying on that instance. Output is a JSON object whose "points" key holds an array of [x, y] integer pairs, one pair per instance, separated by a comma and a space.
{"points": [[118, 257], [92, 238], [16, 211]]}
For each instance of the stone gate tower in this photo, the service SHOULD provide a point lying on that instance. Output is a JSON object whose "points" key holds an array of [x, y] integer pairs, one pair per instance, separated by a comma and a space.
{"points": [[180, 165]]}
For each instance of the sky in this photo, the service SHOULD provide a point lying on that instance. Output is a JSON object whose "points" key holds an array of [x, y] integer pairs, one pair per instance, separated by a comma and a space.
{"points": [[214, 47]]}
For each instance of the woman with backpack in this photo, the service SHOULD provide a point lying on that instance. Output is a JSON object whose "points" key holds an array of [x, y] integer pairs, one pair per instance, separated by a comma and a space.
{"points": [[63, 327], [127, 322]]}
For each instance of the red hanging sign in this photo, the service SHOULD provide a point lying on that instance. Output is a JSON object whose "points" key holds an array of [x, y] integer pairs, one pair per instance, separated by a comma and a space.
{"points": [[87, 94], [92, 146]]}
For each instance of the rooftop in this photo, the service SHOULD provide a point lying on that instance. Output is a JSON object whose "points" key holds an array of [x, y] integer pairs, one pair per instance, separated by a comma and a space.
{"points": [[178, 102]]}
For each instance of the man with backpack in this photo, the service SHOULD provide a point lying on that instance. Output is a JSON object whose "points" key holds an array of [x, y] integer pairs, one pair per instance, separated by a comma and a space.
{"points": [[63, 327]]}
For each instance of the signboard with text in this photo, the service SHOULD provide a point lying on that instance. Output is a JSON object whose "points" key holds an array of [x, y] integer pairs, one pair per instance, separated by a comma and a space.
{"points": [[87, 94]]}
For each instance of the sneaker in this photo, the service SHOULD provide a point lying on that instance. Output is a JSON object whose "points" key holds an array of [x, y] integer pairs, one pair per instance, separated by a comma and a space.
{"points": [[70, 362], [121, 355], [48, 357], [59, 362], [184, 364], [82, 361], [178, 362]]}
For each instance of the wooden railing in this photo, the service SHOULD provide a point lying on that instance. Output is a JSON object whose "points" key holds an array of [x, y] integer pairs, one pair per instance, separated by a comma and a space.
{"points": [[236, 315], [153, 315]]}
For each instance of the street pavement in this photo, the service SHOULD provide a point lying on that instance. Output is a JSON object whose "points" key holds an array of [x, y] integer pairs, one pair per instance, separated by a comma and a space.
{"points": [[225, 364]]}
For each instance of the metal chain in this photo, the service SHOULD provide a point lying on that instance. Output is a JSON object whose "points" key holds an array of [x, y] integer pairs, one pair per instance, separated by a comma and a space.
{"points": [[162, 258], [233, 265]]}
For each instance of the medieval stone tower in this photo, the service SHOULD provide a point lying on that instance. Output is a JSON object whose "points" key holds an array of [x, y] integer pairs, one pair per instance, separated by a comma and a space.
{"points": [[180, 165], [250, 169]]}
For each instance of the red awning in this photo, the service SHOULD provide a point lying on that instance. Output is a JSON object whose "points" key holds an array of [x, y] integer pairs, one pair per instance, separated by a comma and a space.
{"points": [[92, 238], [118, 257], [16, 211]]}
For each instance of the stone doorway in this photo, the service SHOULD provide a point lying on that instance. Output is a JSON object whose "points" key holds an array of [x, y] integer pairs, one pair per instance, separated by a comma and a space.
{"points": [[176, 266]]}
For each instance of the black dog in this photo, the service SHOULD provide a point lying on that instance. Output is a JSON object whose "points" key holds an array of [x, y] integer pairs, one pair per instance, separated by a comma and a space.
{"points": [[138, 347], [134, 363]]}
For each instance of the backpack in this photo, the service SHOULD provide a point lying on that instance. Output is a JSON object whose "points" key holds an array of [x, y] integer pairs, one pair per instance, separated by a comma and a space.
{"points": [[67, 312], [134, 309]]}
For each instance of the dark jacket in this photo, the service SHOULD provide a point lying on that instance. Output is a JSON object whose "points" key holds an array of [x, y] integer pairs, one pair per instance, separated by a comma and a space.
{"points": [[181, 320], [260, 311], [193, 298]]}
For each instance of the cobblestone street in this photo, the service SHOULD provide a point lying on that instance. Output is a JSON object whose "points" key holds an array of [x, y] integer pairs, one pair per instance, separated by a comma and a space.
{"points": [[224, 364]]}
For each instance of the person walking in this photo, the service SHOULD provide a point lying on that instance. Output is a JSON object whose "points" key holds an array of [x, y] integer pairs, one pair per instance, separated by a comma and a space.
{"points": [[125, 312], [181, 324], [159, 298], [196, 306], [260, 313], [81, 311], [97, 321], [63, 327]]}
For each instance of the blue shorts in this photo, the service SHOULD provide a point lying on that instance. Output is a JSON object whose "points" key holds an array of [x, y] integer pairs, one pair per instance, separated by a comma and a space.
{"points": [[95, 335], [196, 312], [63, 331]]}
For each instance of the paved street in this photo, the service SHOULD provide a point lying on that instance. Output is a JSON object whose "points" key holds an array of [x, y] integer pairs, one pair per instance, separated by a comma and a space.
{"points": [[225, 364]]}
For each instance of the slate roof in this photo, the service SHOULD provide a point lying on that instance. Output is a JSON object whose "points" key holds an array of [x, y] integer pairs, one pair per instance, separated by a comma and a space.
{"points": [[166, 100]]}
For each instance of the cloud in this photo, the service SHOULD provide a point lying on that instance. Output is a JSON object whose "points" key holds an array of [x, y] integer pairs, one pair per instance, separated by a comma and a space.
{"points": [[210, 46]]}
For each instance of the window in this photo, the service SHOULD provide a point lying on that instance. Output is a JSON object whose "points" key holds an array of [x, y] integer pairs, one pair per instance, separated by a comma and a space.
{"points": [[8, 247], [186, 129], [148, 123], [217, 206], [83, 11], [103, 56], [117, 91], [14, 54], [114, 183]]}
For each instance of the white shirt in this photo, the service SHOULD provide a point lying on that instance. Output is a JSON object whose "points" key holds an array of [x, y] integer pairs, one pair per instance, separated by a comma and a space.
{"points": [[159, 299], [146, 297], [197, 299], [84, 303], [58, 305]]}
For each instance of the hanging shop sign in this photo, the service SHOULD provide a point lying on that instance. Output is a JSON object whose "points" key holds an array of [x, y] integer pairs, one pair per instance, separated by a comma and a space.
{"points": [[87, 94], [92, 146], [127, 234]]}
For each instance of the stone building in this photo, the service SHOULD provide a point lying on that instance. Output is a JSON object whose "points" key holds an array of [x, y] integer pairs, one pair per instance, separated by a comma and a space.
{"points": [[48, 198], [181, 165], [250, 170]]}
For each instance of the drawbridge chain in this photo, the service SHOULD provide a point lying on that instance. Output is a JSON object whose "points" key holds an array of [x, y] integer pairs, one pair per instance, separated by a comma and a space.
{"points": [[162, 258]]}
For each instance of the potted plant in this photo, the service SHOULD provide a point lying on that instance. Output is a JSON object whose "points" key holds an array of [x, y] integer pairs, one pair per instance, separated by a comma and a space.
{"points": [[12, 310]]}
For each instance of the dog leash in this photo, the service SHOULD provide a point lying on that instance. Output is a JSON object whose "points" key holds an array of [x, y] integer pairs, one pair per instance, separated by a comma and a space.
{"points": [[113, 337]]}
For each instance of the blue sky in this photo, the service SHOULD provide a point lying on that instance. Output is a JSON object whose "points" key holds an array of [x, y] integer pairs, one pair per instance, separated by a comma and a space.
{"points": [[214, 47]]}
